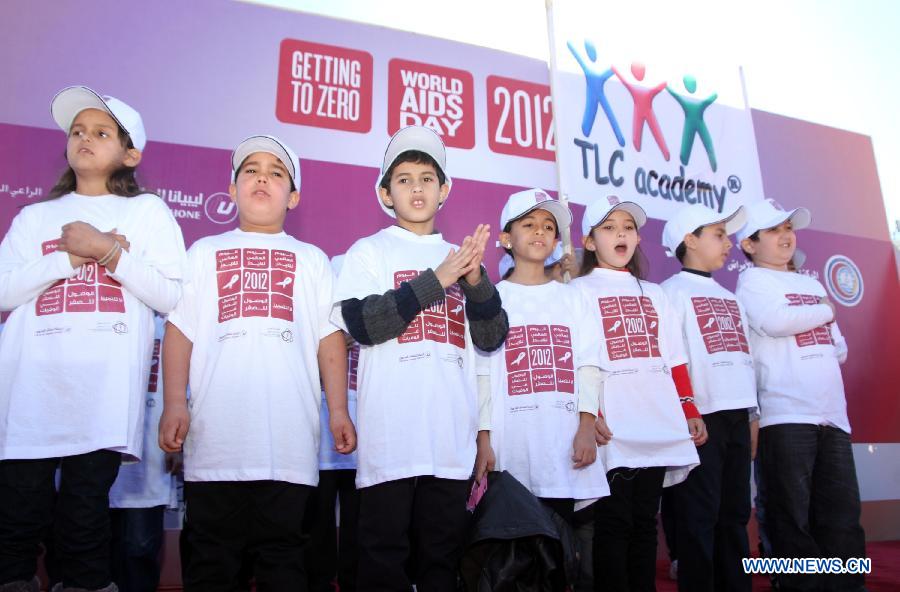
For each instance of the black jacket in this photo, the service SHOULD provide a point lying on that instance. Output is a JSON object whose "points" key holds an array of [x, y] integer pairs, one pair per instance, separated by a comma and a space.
{"points": [[516, 543]]}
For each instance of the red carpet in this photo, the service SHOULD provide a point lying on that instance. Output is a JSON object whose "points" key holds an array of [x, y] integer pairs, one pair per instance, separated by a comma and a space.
{"points": [[885, 576]]}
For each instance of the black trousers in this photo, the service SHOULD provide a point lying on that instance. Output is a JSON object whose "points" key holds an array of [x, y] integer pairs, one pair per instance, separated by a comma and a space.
{"points": [[812, 506], [332, 550], [75, 518], [137, 536], [230, 523], [711, 509], [625, 531], [412, 531]]}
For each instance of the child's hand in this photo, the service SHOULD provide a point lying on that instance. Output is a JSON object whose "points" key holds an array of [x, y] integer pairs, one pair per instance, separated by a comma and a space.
{"points": [[485, 459], [698, 431], [754, 438], [173, 427], [174, 462], [77, 261], [455, 264], [82, 239], [343, 432], [120, 238], [479, 238], [584, 446], [569, 264], [602, 434]]}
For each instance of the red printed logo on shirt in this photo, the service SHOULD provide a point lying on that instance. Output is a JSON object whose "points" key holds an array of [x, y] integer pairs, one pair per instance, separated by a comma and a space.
{"points": [[90, 290], [820, 335], [720, 324], [443, 321], [630, 327], [255, 283], [539, 359]]}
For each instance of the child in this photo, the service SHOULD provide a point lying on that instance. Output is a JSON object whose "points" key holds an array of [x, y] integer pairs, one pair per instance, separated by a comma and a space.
{"points": [[535, 414], [333, 556], [142, 492], [400, 295], [812, 496], [711, 507], [82, 273], [653, 447], [252, 331]]}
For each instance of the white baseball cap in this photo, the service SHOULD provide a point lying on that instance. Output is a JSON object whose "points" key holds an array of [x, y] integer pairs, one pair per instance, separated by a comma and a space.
{"points": [[506, 262], [414, 137], [768, 213], [522, 202], [72, 100], [273, 146], [690, 218], [600, 209]]}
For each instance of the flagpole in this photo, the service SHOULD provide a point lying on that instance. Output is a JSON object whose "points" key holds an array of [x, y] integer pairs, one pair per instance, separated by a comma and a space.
{"points": [[564, 233]]}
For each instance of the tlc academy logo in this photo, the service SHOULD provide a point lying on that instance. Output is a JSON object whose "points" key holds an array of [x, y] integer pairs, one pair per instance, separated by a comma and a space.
{"points": [[599, 112], [844, 280]]}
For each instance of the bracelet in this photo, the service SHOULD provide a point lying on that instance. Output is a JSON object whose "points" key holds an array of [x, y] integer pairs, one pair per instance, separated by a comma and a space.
{"points": [[109, 256]]}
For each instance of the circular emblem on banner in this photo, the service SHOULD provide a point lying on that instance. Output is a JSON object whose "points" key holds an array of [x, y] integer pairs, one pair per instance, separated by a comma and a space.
{"points": [[220, 209], [844, 280]]}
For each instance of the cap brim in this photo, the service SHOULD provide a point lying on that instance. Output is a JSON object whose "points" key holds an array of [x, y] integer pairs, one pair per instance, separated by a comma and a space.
{"points": [[71, 101], [734, 221], [263, 144], [560, 213], [636, 211], [800, 218]]}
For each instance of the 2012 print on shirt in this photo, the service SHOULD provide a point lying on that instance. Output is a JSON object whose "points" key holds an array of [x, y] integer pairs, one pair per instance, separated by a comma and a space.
{"points": [[720, 324], [255, 283], [630, 326], [539, 359], [91, 290], [820, 335], [443, 322]]}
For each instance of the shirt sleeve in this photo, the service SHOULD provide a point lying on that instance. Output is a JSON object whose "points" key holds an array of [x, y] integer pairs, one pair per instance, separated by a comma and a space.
{"points": [[671, 334], [24, 272], [840, 343], [186, 315], [324, 295], [769, 314], [154, 275]]}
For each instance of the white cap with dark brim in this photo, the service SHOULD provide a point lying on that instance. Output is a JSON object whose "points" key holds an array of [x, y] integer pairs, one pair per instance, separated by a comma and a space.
{"points": [[72, 100]]}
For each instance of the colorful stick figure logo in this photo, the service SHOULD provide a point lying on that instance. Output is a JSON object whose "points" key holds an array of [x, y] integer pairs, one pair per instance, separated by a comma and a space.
{"points": [[595, 77], [844, 280]]}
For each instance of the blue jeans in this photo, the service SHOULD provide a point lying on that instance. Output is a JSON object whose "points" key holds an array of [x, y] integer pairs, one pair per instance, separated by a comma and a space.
{"points": [[137, 536], [812, 503]]}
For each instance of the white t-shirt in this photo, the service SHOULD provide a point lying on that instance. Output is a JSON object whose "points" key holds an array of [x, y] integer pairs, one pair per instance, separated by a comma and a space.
{"points": [[75, 355], [329, 458], [641, 344], [255, 307], [534, 392], [417, 401], [147, 484], [793, 343], [712, 326]]}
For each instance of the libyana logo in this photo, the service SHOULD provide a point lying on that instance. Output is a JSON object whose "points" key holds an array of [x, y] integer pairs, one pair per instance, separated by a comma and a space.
{"points": [[220, 209], [844, 280]]}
